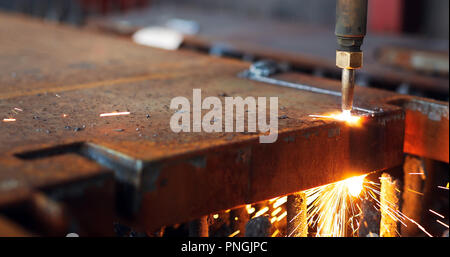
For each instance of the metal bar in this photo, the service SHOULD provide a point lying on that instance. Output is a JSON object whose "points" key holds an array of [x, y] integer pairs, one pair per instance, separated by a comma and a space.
{"points": [[412, 196], [390, 204], [297, 223]]}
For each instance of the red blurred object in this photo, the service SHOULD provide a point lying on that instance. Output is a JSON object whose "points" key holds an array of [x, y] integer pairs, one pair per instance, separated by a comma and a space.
{"points": [[386, 16], [107, 6]]}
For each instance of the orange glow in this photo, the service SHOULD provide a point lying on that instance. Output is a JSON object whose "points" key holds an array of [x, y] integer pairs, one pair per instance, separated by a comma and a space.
{"points": [[113, 114], [275, 212], [64, 115], [250, 209], [280, 202], [273, 199], [234, 233], [275, 233], [345, 116], [355, 185], [282, 216], [261, 212], [273, 219], [9, 120]]}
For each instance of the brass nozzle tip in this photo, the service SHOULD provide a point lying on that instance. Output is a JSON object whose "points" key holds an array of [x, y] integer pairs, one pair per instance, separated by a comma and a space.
{"points": [[349, 60]]}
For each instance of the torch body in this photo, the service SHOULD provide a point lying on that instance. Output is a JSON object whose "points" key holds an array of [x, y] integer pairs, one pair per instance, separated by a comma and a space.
{"points": [[351, 20]]}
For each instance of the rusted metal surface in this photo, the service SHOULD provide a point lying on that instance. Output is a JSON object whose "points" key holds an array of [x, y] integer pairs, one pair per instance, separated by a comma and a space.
{"points": [[302, 45], [426, 121], [162, 177]]}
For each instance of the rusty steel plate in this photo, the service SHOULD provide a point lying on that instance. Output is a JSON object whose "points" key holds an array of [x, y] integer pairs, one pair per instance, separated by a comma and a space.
{"points": [[56, 81], [427, 121]]}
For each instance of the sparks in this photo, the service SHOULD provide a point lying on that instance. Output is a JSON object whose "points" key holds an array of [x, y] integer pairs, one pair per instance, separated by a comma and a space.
{"points": [[373, 191], [414, 191], [331, 207], [279, 202], [272, 220], [437, 214], [281, 216], [275, 212], [335, 207], [9, 119], [355, 185], [275, 233], [442, 223], [249, 209], [261, 212], [273, 199], [234, 233], [114, 114], [345, 116]]}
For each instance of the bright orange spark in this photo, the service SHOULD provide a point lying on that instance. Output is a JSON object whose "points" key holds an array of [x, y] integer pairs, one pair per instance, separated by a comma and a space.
{"points": [[275, 233], [249, 209], [275, 212], [442, 223], [279, 202], [282, 216], [414, 191], [272, 220], [114, 114], [437, 214], [273, 199], [345, 116], [9, 119], [234, 233], [355, 185], [261, 212]]}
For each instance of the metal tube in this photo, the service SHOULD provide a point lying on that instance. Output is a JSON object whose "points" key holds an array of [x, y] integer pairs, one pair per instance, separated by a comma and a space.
{"points": [[413, 201], [297, 224], [390, 201], [351, 19], [348, 85]]}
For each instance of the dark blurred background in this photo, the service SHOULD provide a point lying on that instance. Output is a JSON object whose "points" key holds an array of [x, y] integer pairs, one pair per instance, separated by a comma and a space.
{"points": [[421, 17]]}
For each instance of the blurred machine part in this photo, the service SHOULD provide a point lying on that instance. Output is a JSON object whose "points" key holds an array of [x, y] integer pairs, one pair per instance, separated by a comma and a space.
{"points": [[305, 47], [69, 11]]}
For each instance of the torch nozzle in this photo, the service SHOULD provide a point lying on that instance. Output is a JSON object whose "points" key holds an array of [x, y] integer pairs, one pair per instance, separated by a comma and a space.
{"points": [[348, 85]]}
